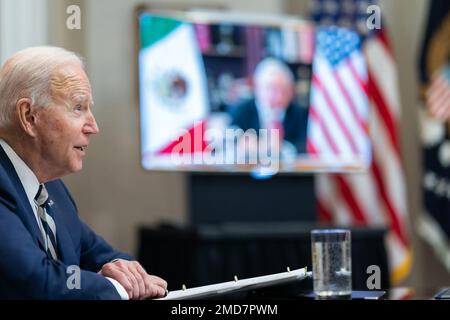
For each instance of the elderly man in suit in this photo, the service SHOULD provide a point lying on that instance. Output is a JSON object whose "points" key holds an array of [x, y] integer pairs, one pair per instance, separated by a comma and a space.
{"points": [[45, 126], [274, 106]]}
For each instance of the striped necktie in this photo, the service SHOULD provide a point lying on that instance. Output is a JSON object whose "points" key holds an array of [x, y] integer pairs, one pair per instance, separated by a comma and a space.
{"points": [[48, 226]]}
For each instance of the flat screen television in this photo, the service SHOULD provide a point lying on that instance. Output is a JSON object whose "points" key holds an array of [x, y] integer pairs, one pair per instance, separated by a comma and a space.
{"points": [[229, 92]]}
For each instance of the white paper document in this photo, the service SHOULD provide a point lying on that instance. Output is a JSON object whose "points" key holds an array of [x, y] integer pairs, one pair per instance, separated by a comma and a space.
{"points": [[238, 285]]}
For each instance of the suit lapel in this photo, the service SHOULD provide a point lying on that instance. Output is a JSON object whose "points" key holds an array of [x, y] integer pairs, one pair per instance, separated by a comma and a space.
{"points": [[256, 121], [26, 214]]}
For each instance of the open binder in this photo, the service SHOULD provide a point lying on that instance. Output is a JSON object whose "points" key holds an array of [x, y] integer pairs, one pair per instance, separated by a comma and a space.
{"points": [[237, 285]]}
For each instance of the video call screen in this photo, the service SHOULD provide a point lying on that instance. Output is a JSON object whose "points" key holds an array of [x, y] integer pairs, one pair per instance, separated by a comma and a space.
{"points": [[244, 93]]}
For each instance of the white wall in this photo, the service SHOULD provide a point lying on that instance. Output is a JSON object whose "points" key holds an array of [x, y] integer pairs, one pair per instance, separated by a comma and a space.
{"points": [[23, 23]]}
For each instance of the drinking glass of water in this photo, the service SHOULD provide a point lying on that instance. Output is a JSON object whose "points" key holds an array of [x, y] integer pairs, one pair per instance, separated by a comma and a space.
{"points": [[332, 263]]}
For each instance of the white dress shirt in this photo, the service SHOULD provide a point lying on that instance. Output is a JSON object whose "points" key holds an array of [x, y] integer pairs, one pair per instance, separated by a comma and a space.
{"points": [[30, 184], [267, 114]]}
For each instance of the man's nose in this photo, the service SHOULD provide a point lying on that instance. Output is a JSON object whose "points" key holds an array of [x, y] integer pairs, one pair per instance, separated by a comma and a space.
{"points": [[91, 126]]}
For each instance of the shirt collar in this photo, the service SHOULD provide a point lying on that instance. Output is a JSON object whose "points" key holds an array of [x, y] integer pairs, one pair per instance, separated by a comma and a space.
{"points": [[27, 177]]}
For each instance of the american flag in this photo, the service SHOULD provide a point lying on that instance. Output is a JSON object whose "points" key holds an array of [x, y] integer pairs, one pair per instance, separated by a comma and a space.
{"points": [[338, 126], [378, 197]]}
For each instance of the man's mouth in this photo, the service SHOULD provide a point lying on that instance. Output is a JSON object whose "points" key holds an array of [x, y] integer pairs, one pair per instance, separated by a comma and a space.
{"points": [[81, 148]]}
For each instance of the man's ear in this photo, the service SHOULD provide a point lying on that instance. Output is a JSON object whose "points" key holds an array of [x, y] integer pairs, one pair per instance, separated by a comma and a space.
{"points": [[26, 115]]}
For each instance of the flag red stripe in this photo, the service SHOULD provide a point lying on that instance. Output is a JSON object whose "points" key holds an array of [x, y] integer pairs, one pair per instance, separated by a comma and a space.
{"points": [[393, 215], [384, 112], [311, 148], [322, 213], [384, 39], [362, 84], [330, 103], [315, 117], [353, 109], [347, 194]]}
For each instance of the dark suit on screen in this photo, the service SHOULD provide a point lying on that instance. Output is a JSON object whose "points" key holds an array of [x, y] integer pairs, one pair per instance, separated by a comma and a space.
{"points": [[246, 116]]}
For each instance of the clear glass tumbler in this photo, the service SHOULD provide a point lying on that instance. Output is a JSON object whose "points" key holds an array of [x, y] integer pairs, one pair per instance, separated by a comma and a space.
{"points": [[332, 263]]}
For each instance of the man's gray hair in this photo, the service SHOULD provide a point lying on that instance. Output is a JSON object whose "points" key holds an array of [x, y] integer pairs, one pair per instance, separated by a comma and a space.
{"points": [[268, 67], [27, 74]]}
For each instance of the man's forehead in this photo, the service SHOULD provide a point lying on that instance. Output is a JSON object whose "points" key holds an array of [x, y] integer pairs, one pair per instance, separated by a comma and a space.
{"points": [[276, 78], [71, 80], [69, 74], [67, 70], [82, 98]]}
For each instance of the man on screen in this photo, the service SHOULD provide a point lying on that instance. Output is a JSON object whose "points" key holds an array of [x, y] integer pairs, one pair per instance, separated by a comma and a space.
{"points": [[45, 125], [273, 106]]}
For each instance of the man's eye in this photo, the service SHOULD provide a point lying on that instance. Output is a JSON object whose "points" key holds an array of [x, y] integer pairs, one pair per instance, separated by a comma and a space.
{"points": [[78, 107]]}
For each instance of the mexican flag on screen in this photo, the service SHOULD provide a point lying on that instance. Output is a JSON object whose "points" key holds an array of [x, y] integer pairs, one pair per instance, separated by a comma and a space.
{"points": [[173, 87]]}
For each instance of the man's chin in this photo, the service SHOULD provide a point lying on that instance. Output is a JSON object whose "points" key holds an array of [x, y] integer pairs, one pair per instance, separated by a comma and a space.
{"points": [[76, 167], [72, 168]]}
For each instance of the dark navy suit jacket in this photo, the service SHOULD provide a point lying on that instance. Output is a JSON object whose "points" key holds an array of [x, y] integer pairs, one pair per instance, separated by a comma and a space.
{"points": [[26, 270], [295, 122]]}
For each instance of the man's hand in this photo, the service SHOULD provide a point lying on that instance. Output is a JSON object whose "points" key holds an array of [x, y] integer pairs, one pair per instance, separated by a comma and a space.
{"points": [[136, 281]]}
